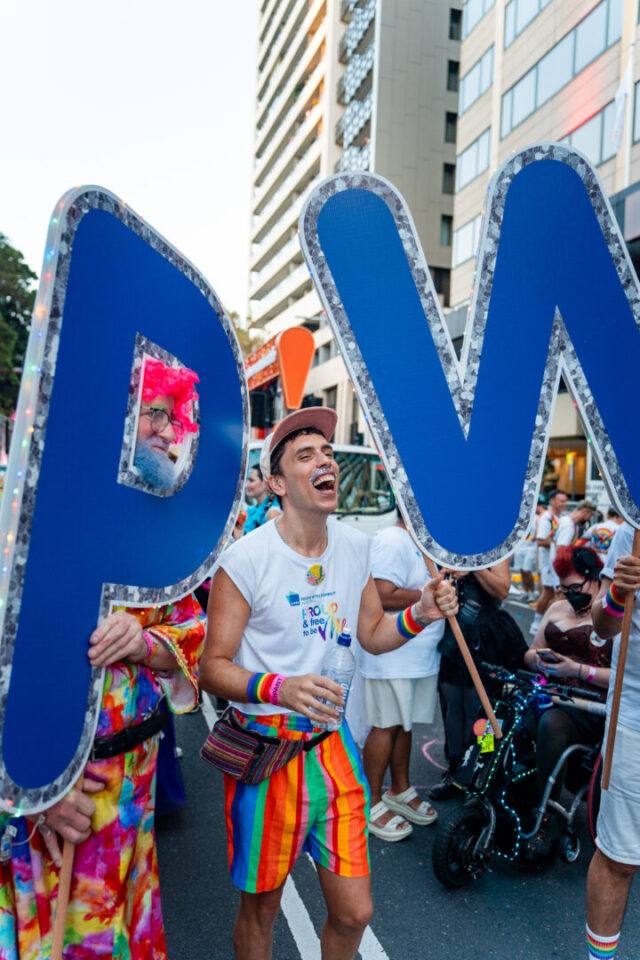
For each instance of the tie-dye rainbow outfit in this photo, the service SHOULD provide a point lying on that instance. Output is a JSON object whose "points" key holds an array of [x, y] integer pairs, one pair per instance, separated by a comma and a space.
{"points": [[114, 909]]}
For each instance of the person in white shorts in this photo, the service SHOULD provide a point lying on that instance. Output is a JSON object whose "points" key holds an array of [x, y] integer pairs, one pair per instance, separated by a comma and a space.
{"points": [[547, 528], [526, 557], [618, 828], [401, 688]]}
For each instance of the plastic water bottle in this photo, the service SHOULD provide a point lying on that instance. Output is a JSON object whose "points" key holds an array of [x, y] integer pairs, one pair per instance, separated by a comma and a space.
{"points": [[339, 665]]}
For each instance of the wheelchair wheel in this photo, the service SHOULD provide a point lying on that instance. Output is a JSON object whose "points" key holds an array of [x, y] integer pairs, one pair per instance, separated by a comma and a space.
{"points": [[453, 861], [593, 797], [569, 847]]}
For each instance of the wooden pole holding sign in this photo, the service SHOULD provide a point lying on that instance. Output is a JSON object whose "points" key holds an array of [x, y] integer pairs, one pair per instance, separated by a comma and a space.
{"points": [[64, 886], [622, 657], [468, 659]]}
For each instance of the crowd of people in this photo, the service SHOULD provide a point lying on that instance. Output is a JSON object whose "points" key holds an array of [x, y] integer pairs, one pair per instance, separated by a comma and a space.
{"points": [[292, 580]]}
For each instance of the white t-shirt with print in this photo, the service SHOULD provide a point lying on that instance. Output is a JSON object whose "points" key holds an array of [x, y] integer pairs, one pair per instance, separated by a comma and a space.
{"points": [[600, 537], [298, 604], [396, 558], [629, 714], [566, 532]]}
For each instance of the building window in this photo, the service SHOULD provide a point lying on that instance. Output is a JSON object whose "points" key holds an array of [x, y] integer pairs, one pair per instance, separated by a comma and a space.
{"points": [[636, 114], [448, 177], [591, 37], [453, 75], [446, 221], [594, 137], [476, 81], [331, 397], [450, 127], [465, 241], [442, 283], [518, 14], [455, 24], [473, 161], [472, 13]]}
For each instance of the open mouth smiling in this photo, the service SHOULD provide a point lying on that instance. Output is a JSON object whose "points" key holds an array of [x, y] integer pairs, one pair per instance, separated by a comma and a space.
{"points": [[323, 480]]}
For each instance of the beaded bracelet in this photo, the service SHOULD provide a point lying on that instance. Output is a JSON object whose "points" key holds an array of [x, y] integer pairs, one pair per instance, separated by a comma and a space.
{"points": [[265, 688], [613, 602], [408, 625]]}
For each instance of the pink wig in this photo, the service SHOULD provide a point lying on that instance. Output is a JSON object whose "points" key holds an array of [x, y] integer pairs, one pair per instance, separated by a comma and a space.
{"points": [[177, 382]]}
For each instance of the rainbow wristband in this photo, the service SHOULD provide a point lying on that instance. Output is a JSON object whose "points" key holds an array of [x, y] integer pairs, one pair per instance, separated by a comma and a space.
{"points": [[613, 603], [265, 688], [407, 625]]}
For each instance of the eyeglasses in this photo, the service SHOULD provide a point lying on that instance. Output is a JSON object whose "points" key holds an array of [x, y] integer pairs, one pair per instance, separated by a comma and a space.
{"points": [[160, 419], [573, 587]]}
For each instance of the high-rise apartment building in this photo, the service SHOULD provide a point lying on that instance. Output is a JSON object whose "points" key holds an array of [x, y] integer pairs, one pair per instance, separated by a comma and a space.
{"points": [[535, 70], [296, 111], [349, 85]]}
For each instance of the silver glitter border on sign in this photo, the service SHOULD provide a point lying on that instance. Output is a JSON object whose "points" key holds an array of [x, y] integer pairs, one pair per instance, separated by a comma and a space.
{"points": [[462, 376], [146, 349], [25, 456]]}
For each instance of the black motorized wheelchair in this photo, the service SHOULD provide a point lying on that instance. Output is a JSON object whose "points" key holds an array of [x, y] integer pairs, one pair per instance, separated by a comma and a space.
{"points": [[499, 777]]}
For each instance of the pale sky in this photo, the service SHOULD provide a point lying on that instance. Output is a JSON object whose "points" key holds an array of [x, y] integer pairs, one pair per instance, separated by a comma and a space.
{"points": [[152, 99]]}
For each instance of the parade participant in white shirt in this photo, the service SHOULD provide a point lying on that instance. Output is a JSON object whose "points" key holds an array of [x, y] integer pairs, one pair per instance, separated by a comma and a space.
{"points": [[401, 688], [277, 598], [547, 527]]}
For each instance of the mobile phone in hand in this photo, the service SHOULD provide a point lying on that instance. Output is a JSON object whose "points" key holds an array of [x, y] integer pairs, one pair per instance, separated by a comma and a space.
{"points": [[548, 656]]}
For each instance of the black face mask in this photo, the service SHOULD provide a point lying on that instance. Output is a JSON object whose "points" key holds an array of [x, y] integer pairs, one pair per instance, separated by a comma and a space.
{"points": [[578, 600]]}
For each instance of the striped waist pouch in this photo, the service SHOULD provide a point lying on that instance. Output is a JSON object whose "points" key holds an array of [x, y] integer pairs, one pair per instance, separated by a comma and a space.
{"points": [[247, 755]]}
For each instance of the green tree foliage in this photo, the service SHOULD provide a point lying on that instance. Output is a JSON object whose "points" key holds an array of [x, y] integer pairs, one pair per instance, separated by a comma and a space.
{"points": [[249, 339], [17, 293]]}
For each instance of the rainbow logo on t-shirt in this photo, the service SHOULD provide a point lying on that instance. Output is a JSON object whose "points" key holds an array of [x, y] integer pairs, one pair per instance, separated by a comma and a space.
{"points": [[316, 574]]}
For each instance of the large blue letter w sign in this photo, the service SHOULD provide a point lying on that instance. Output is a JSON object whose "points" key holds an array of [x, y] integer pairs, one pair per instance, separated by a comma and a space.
{"points": [[555, 290]]}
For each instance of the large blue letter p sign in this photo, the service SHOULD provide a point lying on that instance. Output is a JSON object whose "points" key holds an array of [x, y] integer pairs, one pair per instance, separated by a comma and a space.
{"points": [[82, 526]]}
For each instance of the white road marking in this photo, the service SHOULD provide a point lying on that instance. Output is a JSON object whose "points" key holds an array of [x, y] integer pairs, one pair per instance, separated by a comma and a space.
{"points": [[293, 908], [208, 710], [300, 925]]}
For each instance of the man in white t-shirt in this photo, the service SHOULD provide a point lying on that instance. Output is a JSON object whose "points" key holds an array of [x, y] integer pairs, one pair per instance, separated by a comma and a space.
{"points": [[401, 688], [618, 829], [545, 536], [600, 536], [567, 532], [279, 596]]}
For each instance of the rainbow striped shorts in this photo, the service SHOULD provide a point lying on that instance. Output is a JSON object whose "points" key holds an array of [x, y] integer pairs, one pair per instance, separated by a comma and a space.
{"points": [[318, 802]]}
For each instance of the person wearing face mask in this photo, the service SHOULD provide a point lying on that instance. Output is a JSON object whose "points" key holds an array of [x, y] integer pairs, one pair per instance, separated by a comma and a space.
{"points": [[567, 649]]}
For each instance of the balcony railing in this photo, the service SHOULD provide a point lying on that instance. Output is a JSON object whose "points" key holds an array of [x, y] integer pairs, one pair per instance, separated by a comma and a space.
{"points": [[358, 25], [346, 9], [288, 219], [260, 277], [353, 120], [356, 73], [354, 158], [282, 292], [285, 188], [286, 30], [262, 191], [268, 135], [294, 45]]}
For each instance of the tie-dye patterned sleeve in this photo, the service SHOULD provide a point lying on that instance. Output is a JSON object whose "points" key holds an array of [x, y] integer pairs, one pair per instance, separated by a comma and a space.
{"points": [[181, 628]]}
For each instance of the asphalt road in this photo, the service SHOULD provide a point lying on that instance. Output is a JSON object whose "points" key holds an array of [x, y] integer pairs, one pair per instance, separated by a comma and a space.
{"points": [[511, 912]]}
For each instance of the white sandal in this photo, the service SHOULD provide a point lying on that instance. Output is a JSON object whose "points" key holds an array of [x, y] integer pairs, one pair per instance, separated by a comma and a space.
{"points": [[391, 830], [400, 803]]}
